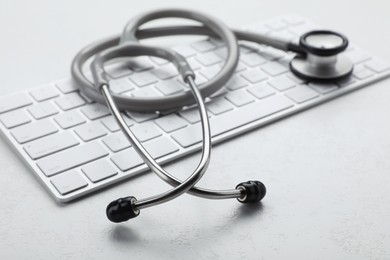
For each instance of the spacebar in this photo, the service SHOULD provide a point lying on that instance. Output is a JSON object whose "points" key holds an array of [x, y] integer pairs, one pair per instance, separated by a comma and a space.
{"points": [[220, 124]]}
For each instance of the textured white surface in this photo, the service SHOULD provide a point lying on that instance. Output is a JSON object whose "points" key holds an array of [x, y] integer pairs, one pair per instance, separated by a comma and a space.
{"points": [[326, 169]]}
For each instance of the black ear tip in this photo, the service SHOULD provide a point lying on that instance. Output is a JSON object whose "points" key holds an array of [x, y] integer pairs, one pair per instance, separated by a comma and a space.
{"points": [[121, 210], [254, 191]]}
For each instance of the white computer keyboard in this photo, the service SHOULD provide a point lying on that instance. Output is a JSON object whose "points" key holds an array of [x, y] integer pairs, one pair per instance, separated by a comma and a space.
{"points": [[74, 146]]}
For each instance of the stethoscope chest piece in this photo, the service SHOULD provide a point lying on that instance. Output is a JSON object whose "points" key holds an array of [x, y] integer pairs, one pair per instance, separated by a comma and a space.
{"points": [[322, 59]]}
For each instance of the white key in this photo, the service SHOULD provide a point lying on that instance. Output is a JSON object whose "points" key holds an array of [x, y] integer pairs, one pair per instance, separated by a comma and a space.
{"points": [[112, 125], [12, 102], [362, 73], [14, 118], [220, 124], [295, 78], [191, 115], [69, 119], [146, 131], [116, 142], [144, 78], [68, 182], [208, 59], [118, 70], [66, 86], [148, 91], [301, 93], [141, 117], [377, 65], [203, 46], [50, 144], [284, 35], [121, 85], [254, 75], [70, 101], [219, 106], [42, 110], [157, 148], [166, 71], [236, 82], [323, 88], [170, 122], [261, 90], [221, 92], [159, 61], [210, 72], [70, 158], [274, 68], [357, 56], [282, 82], [271, 53], [26, 133], [239, 97], [90, 131], [252, 59], [169, 87], [99, 170], [44, 93], [184, 50], [95, 111], [193, 64], [141, 64]]}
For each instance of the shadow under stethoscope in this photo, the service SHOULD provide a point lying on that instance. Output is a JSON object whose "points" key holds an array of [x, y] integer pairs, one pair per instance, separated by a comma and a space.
{"points": [[123, 233]]}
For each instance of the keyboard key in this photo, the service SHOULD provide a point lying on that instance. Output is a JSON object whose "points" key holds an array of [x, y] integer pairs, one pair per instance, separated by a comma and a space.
{"points": [[261, 90], [219, 106], [127, 159], [68, 182], [26, 133], [14, 118], [209, 58], [191, 115], [239, 97], [254, 75], [70, 158], [157, 148], [69, 119], [185, 50], [99, 170], [169, 87], [50, 144], [252, 59], [210, 72], [146, 92], [12, 102], [282, 83], [44, 93], [146, 131], [377, 65], [144, 78], [159, 61], [274, 68], [301, 93], [112, 125], [357, 56], [90, 131], [323, 88], [70, 101], [95, 111], [166, 71], [118, 69], [116, 142], [221, 92], [170, 122], [236, 83], [121, 85], [362, 73], [203, 46], [193, 64], [66, 86], [140, 64], [220, 124], [42, 110], [141, 117]]}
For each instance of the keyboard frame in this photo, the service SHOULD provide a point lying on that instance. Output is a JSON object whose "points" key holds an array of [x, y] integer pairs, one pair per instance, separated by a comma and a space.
{"points": [[45, 181]]}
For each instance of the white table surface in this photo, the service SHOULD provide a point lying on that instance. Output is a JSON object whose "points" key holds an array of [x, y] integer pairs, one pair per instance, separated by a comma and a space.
{"points": [[327, 170]]}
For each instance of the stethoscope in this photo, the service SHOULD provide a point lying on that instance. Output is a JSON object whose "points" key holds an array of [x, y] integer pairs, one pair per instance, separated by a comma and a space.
{"points": [[319, 58]]}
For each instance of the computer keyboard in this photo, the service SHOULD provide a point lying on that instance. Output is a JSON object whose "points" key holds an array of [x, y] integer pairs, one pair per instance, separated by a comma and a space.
{"points": [[74, 146]]}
